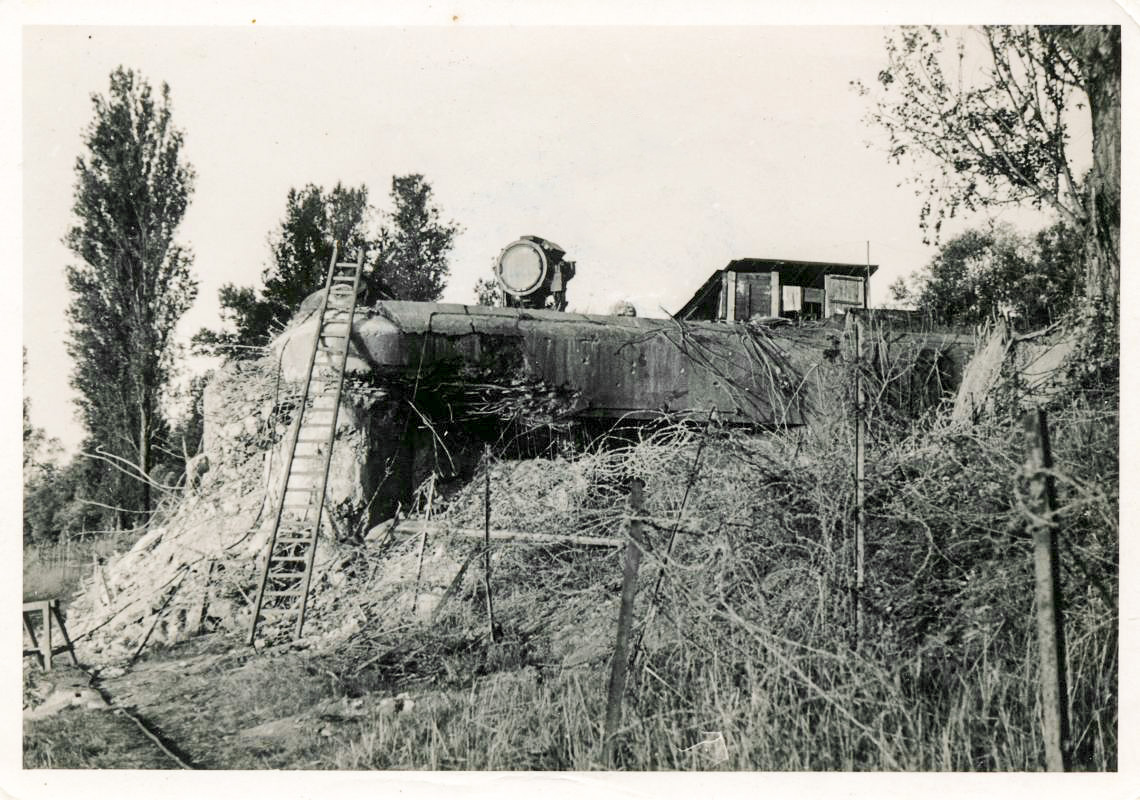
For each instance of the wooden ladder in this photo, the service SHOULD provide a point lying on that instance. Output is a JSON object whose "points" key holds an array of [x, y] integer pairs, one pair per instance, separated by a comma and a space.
{"points": [[287, 572]]}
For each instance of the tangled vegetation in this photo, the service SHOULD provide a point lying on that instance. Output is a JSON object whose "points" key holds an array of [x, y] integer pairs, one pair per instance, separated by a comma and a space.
{"points": [[749, 636]]}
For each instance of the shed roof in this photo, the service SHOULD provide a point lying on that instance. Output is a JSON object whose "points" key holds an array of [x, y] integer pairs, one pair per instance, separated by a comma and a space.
{"points": [[790, 271], [797, 269]]}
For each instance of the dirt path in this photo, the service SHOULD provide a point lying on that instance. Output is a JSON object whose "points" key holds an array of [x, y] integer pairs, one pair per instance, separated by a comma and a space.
{"points": [[215, 704], [214, 699]]}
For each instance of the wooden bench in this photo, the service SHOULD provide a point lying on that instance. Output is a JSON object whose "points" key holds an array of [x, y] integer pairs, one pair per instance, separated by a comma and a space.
{"points": [[49, 614]]}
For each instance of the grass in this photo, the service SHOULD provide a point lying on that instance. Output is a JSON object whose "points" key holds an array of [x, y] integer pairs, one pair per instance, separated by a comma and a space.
{"points": [[53, 571], [86, 739], [56, 569]]}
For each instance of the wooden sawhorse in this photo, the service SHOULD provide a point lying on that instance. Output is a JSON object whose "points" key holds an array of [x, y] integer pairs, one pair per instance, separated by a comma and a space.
{"points": [[49, 611]]}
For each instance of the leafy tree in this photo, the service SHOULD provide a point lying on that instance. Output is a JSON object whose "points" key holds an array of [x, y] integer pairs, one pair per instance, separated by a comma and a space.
{"points": [[303, 245], [34, 438], [57, 502], [132, 282], [188, 426], [301, 248], [994, 272], [1001, 135], [414, 243], [405, 260]]}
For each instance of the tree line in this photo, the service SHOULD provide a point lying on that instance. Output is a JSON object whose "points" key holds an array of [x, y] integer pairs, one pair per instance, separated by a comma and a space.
{"points": [[987, 115], [1000, 135], [132, 282]]}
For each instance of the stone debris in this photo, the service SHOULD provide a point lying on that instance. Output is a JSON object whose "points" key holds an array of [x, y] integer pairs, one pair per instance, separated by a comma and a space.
{"points": [[196, 569], [61, 689]]}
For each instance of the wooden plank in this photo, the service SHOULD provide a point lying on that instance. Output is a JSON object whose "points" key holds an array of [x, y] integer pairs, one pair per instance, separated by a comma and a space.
{"points": [[68, 646], [730, 295], [616, 688], [743, 306], [38, 651], [46, 610], [418, 526], [487, 541]]}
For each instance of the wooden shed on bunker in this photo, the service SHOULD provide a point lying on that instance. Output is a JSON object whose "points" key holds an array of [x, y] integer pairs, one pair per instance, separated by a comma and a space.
{"points": [[768, 287]]}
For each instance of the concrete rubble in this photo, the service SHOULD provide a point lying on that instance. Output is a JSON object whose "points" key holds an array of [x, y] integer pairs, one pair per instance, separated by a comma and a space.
{"points": [[196, 568]]}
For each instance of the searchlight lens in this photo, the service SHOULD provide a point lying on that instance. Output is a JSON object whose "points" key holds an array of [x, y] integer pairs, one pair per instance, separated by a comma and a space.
{"points": [[522, 267]]}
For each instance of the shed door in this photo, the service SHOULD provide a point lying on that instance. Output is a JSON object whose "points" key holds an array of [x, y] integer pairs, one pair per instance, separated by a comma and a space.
{"points": [[842, 293], [753, 295]]}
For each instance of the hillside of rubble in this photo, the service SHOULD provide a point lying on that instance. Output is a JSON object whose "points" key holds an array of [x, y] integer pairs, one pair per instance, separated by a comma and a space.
{"points": [[419, 653]]}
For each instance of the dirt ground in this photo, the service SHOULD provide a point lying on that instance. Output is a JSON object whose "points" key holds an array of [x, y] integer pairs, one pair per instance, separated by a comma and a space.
{"points": [[213, 704]]}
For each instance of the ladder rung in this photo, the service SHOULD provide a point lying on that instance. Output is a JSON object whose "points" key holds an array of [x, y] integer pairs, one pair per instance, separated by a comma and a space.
{"points": [[283, 593], [277, 559], [306, 540]]}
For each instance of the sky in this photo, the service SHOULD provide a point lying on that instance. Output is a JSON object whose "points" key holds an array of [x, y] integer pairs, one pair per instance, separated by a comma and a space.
{"points": [[652, 155]]}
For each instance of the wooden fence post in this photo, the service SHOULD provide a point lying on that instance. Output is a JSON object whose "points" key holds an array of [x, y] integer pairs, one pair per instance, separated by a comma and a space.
{"points": [[1050, 630], [620, 664], [487, 540]]}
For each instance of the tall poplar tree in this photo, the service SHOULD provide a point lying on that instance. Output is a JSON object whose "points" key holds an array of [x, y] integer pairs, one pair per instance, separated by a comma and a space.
{"points": [[133, 281]]}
